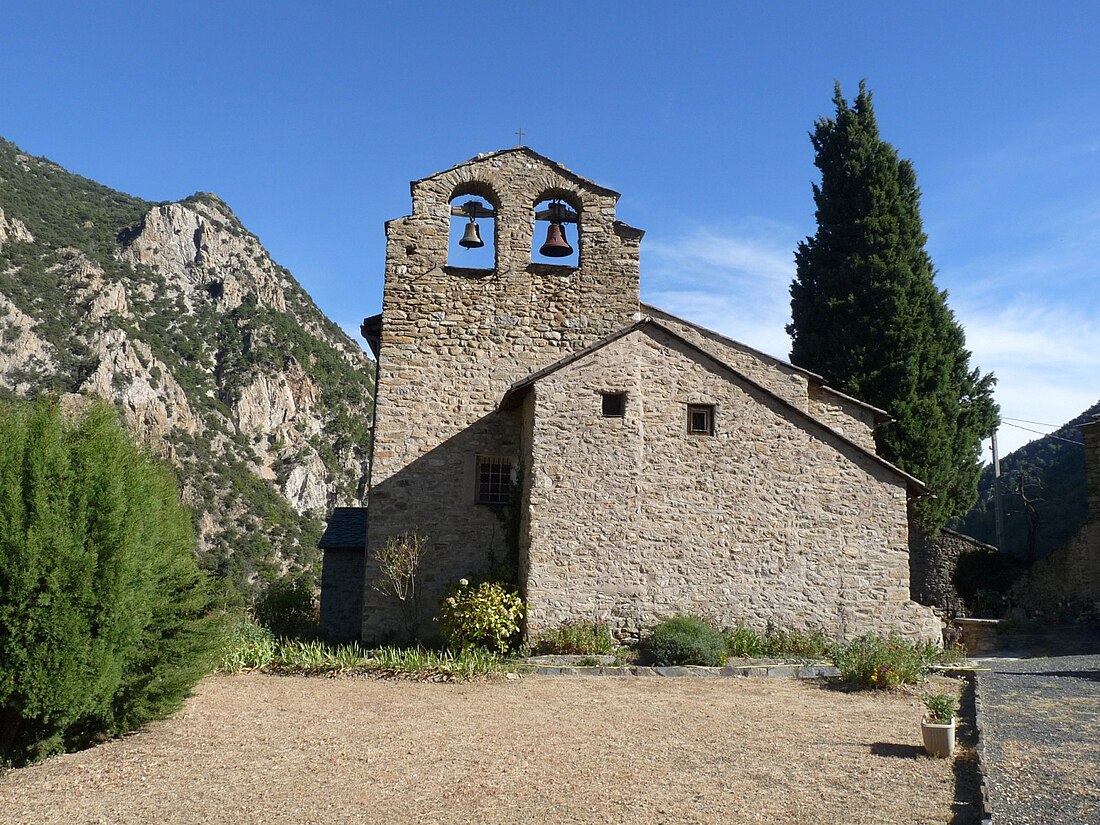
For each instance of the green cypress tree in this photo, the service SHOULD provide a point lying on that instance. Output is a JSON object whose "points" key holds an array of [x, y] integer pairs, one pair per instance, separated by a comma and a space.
{"points": [[104, 617], [868, 316]]}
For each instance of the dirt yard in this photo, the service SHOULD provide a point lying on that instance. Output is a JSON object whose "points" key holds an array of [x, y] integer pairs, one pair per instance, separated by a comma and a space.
{"points": [[251, 749]]}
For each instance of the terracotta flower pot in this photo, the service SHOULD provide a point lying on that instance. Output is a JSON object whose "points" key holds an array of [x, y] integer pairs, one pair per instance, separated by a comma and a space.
{"points": [[939, 740]]}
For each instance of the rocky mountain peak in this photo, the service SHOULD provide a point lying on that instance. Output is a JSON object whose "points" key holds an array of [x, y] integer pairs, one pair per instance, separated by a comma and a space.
{"points": [[212, 352]]}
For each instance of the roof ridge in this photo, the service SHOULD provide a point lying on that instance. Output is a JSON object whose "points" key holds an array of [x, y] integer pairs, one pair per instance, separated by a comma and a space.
{"points": [[511, 396], [566, 171], [810, 373]]}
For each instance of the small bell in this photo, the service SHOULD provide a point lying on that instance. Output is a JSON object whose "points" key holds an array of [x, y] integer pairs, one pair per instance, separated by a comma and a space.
{"points": [[556, 245], [471, 238]]}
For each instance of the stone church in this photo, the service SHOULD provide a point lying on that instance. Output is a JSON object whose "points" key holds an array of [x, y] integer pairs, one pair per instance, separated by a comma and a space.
{"points": [[623, 463]]}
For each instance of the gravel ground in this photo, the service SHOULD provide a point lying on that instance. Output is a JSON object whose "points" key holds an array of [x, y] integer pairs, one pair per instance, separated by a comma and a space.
{"points": [[1042, 739], [537, 749]]}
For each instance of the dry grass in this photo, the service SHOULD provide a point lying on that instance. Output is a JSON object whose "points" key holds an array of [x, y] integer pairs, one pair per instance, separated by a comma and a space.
{"points": [[258, 748]]}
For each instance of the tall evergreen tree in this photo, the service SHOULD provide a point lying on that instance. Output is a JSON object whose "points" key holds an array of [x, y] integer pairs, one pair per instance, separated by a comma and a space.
{"points": [[868, 316]]}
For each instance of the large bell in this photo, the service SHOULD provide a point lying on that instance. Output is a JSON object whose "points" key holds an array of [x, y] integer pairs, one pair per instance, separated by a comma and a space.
{"points": [[556, 245], [471, 238]]}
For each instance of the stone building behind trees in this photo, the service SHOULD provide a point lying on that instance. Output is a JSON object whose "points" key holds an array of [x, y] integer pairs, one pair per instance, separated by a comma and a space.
{"points": [[623, 464]]}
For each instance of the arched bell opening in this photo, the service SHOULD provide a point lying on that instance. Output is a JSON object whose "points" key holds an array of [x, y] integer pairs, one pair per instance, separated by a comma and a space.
{"points": [[473, 237], [557, 236]]}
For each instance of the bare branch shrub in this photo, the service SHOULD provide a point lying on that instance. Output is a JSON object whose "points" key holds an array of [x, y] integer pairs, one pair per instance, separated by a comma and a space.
{"points": [[399, 563]]}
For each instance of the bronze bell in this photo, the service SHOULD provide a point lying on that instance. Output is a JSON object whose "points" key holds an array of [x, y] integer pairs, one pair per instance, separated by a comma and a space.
{"points": [[471, 238], [556, 245]]}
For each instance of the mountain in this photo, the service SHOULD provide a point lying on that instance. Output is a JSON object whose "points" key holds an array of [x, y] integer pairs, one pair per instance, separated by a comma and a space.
{"points": [[1052, 469], [215, 355]]}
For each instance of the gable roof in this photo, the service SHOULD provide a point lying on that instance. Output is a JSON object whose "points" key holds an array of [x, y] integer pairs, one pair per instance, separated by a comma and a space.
{"points": [[880, 415], [526, 150], [347, 528], [518, 390]]}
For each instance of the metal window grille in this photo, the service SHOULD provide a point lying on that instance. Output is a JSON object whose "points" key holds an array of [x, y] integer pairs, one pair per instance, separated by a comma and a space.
{"points": [[494, 480]]}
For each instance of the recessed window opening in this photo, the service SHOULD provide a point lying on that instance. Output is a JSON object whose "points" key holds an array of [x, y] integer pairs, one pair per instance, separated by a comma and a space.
{"points": [[614, 404], [473, 233], [495, 477], [557, 233], [701, 419]]}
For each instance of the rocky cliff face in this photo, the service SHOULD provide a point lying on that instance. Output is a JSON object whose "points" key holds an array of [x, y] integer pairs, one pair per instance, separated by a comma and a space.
{"points": [[212, 352]]}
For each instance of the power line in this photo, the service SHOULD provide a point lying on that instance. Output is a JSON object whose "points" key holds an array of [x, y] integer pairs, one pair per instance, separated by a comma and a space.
{"points": [[1039, 423], [1040, 432]]}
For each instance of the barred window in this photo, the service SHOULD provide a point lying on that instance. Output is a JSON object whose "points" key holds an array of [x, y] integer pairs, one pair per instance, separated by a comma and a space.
{"points": [[494, 479]]}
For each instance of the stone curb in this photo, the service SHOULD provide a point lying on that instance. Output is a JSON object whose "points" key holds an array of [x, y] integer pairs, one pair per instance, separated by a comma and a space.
{"points": [[693, 671], [983, 759]]}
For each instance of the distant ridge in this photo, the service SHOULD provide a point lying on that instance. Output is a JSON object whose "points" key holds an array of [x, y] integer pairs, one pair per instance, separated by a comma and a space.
{"points": [[216, 356], [1054, 479]]}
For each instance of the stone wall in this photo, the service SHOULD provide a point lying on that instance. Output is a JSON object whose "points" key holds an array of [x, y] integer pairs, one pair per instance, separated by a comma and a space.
{"points": [[845, 415], [772, 518], [453, 340], [932, 566]]}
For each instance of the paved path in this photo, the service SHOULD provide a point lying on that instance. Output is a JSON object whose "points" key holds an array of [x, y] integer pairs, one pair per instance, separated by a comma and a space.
{"points": [[1041, 739]]}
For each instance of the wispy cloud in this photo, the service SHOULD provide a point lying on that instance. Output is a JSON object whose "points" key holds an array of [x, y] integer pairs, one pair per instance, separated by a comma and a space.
{"points": [[1043, 344], [1053, 252], [734, 280], [1046, 359]]}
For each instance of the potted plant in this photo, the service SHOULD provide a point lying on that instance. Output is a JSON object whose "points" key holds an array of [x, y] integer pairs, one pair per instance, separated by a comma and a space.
{"points": [[938, 725]]}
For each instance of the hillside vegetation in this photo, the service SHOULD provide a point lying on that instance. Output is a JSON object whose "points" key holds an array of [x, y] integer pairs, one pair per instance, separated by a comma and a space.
{"points": [[1052, 469], [215, 355]]}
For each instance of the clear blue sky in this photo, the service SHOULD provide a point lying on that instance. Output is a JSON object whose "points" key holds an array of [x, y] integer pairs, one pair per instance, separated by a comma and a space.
{"points": [[309, 119]]}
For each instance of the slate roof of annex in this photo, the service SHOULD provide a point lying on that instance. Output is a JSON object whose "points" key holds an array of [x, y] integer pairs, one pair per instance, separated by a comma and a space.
{"points": [[346, 528]]}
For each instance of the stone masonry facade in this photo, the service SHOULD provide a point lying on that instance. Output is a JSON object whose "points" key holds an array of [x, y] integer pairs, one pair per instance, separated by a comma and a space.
{"points": [[780, 513], [712, 524], [453, 340]]}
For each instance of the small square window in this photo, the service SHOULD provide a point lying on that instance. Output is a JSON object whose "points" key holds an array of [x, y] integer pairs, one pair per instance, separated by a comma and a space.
{"points": [[701, 419], [614, 404], [495, 476]]}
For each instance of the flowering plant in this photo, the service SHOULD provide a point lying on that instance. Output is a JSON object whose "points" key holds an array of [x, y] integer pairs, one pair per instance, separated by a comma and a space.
{"points": [[877, 662], [487, 615]]}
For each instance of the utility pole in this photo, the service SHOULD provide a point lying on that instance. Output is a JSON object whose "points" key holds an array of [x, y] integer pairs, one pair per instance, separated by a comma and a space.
{"points": [[998, 509]]}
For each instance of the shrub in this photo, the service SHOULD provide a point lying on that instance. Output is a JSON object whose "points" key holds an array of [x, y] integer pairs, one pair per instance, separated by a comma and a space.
{"points": [[744, 641], [875, 662], [487, 615], [685, 640], [104, 617], [288, 608], [313, 657], [399, 561], [804, 643], [433, 665], [575, 639]]}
